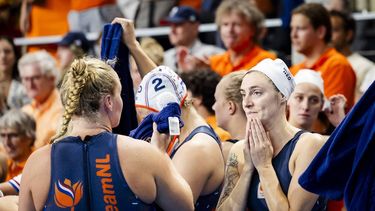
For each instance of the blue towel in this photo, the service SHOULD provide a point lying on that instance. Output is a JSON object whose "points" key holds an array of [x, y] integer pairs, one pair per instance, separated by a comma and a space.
{"points": [[116, 53], [161, 119], [144, 130], [345, 166]]}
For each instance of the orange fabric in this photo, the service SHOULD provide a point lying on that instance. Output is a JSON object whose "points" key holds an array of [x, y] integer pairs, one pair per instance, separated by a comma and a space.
{"points": [[196, 4], [80, 5], [48, 19], [335, 205], [14, 169], [337, 73], [47, 117], [222, 64], [223, 135]]}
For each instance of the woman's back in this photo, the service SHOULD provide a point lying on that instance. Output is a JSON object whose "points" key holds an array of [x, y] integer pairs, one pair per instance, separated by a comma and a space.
{"points": [[94, 173], [90, 177]]}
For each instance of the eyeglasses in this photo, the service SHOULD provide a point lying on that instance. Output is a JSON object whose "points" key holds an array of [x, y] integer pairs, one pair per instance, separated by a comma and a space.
{"points": [[31, 78], [11, 136]]}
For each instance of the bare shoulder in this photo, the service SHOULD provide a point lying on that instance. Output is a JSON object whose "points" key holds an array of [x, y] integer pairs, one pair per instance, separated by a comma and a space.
{"points": [[39, 159], [200, 146], [311, 141], [136, 149], [306, 148], [202, 141]]}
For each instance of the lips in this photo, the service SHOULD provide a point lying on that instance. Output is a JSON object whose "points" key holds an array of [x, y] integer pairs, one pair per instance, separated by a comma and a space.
{"points": [[304, 115]]}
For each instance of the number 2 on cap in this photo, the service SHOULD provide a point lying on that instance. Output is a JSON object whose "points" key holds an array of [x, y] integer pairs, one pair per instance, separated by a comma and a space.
{"points": [[158, 85]]}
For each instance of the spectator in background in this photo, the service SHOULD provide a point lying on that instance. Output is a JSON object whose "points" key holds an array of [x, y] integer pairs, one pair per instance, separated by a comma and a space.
{"points": [[343, 33], [17, 133], [39, 76], [91, 15], [228, 109], [307, 103], [12, 93], [73, 45], [201, 86], [183, 36], [241, 26], [44, 18], [311, 34]]}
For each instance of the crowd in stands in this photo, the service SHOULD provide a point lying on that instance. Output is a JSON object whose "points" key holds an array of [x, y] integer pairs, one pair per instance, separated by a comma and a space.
{"points": [[248, 123]]}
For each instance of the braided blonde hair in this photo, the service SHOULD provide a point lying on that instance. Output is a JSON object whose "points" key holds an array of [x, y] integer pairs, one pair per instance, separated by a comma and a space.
{"points": [[82, 89]]}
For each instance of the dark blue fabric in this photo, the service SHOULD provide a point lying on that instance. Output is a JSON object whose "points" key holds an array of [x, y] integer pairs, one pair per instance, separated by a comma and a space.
{"points": [[116, 52], [161, 118], [94, 165], [144, 130], [345, 166]]}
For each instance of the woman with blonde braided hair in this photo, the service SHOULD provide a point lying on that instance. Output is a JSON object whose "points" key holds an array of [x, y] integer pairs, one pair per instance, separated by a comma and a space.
{"points": [[87, 167]]}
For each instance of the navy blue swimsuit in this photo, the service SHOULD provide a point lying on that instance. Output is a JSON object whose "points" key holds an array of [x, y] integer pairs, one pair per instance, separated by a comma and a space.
{"points": [[86, 175], [280, 163]]}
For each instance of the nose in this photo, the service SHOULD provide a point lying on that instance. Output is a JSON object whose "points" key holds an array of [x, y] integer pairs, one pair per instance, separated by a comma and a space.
{"points": [[213, 106], [247, 101], [305, 104]]}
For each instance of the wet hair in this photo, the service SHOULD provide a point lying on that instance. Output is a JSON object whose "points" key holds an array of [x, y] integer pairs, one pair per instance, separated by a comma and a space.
{"points": [[232, 89], [17, 54], [87, 81], [252, 15], [44, 60], [348, 22], [318, 16], [202, 83], [19, 121]]}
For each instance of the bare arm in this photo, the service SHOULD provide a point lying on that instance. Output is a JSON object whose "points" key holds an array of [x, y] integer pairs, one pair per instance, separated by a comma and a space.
{"points": [[238, 175], [7, 189], [9, 203], [144, 63], [25, 16], [153, 178], [173, 192], [35, 180], [202, 174]]}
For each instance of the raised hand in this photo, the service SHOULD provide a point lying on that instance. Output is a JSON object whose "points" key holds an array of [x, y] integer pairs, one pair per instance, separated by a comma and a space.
{"points": [[261, 149], [337, 111], [128, 31]]}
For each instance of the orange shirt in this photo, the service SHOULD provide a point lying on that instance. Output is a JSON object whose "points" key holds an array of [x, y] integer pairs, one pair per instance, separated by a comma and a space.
{"points": [[48, 19], [223, 135], [337, 73], [222, 64], [80, 5], [14, 169], [196, 4], [47, 117]]}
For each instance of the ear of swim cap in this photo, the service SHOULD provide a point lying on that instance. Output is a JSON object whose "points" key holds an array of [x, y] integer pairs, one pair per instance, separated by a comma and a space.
{"points": [[278, 72], [160, 87]]}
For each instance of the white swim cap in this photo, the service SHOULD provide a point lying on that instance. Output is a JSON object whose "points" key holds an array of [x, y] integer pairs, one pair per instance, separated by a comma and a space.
{"points": [[160, 87], [310, 76], [278, 72]]}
